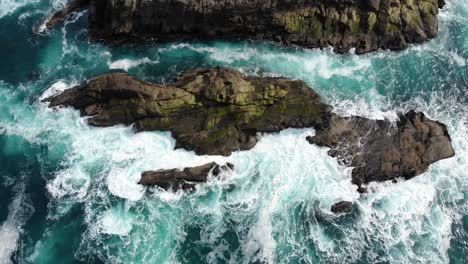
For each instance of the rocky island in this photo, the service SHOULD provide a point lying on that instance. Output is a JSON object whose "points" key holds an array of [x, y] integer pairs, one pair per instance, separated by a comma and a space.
{"points": [[218, 111], [366, 25], [185, 179]]}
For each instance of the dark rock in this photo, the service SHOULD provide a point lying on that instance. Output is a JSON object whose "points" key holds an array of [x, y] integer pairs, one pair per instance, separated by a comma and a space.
{"points": [[59, 16], [342, 207], [366, 25], [441, 3], [219, 111], [380, 150], [212, 112], [185, 179]]}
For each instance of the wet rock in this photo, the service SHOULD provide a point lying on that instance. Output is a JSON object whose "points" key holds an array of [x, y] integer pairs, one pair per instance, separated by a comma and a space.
{"points": [[343, 207], [366, 25], [59, 16], [380, 150], [185, 179], [219, 111], [212, 112]]}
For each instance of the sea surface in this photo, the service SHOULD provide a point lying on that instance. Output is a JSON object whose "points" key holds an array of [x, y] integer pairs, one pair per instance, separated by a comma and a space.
{"points": [[69, 192]]}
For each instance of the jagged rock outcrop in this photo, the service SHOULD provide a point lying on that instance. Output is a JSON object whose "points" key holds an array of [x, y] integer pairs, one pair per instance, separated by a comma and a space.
{"points": [[219, 111], [380, 150], [366, 25], [185, 179], [212, 112]]}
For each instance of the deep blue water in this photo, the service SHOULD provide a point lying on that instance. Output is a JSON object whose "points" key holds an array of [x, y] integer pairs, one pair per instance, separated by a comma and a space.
{"points": [[70, 192]]}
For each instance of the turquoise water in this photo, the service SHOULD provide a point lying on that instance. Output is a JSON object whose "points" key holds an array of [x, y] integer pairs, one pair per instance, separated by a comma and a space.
{"points": [[70, 195]]}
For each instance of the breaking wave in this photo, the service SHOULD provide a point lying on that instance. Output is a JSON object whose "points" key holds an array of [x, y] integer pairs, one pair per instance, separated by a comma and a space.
{"points": [[276, 205]]}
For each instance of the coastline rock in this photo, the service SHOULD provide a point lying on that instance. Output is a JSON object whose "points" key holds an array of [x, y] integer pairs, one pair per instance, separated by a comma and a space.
{"points": [[343, 207], [218, 111], [59, 16], [380, 150], [213, 112], [185, 179], [366, 25]]}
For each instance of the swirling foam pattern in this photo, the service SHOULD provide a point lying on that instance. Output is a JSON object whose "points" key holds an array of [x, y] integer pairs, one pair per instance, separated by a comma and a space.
{"points": [[70, 192]]}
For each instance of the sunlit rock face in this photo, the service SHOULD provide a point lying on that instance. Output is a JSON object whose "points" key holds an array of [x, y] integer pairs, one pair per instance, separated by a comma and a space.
{"points": [[365, 25]]}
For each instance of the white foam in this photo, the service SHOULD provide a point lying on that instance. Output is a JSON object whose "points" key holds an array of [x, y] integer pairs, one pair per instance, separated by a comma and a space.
{"points": [[459, 60], [123, 182], [71, 183], [9, 6], [258, 201], [126, 64], [221, 54], [9, 235], [42, 28], [116, 221], [303, 62], [57, 88], [10, 231], [260, 238], [362, 107]]}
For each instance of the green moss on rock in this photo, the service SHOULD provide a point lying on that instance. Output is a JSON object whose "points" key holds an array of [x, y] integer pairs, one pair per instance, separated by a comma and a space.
{"points": [[209, 111]]}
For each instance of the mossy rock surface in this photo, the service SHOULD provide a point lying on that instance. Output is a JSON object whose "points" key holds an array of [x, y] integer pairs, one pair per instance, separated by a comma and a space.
{"points": [[218, 111], [212, 112], [365, 25]]}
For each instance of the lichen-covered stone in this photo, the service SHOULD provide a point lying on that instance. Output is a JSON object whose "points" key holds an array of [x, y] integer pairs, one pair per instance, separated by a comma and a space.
{"points": [[212, 112], [366, 25]]}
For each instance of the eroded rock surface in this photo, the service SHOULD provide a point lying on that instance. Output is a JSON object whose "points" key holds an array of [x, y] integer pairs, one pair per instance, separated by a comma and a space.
{"points": [[380, 150], [185, 179], [219, 111], [366, 25], [212, 112]]}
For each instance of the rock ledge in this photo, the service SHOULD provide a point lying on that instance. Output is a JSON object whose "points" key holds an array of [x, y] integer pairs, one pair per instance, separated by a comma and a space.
{"points": [[365, 25]]}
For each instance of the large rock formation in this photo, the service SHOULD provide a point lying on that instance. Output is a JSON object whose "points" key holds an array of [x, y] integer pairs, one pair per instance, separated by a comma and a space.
{"points": [[212, 112], [185, 179], [219, 111], [366, 25], [380, 150]]}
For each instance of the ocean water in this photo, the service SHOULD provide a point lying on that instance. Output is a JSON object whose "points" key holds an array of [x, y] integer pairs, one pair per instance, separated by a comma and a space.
{"points": [[69, 192]]}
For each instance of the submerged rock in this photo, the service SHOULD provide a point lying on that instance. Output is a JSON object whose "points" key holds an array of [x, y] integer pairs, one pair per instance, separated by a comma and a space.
{"points": [[343, 207], [219, 111], [380, 150], [185, 179], [366, 25], [72, 6]]}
